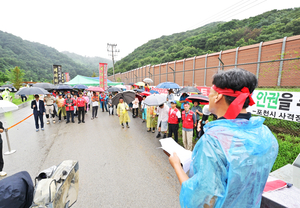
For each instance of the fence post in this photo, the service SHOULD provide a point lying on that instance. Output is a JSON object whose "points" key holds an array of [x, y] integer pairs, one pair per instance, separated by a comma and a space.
{"points": [[281, 62], [167, 71], [8, 144], [220, 58], [236, 57], [174, 71], [205, 69], [183, 66], [160, 73], [194, 63], [258, 60]]}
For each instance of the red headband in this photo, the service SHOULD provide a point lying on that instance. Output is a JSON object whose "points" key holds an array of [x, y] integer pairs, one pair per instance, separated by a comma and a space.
{"points": [[236, 106]]}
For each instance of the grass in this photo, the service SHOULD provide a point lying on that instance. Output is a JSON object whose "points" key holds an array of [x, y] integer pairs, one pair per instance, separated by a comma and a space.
{"points": [[18, 101]]}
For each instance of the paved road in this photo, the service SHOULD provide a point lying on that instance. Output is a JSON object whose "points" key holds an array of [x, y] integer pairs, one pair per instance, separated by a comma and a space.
{"points": [[118, 167]]}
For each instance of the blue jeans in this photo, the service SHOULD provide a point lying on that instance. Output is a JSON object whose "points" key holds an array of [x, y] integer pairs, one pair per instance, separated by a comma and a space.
{"points": [[144, 113]]}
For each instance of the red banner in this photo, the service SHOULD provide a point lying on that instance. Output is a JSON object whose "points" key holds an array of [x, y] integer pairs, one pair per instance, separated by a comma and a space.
{"points": [[67, 76], [205, 90], [103, 75]]}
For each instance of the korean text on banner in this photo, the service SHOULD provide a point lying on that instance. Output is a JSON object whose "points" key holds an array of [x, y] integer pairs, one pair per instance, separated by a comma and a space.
{"points": [[57, 74], [274, 104], [103, 75]]}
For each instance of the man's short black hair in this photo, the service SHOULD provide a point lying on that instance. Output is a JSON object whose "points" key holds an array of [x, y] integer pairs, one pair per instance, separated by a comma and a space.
{"points": [[235, 79]]}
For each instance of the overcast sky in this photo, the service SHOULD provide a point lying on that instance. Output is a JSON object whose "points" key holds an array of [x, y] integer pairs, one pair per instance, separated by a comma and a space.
{"points": [[86, 26]]}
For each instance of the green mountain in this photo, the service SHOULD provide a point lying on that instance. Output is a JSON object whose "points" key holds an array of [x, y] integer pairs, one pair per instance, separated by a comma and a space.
{"points": [[213, 37], [89, 62], [37, 59]]}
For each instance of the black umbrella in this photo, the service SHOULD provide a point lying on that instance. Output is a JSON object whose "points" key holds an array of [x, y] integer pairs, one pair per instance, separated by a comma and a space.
{"points": [[188, 89], [114, 89], [204, 100], [128, 97], [46, 86], [8, 85], [64, 87], [32, 91]]}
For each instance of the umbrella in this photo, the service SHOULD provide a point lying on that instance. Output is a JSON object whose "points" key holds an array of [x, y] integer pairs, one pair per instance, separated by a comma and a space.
{"points": [[6, 106], [114, 89], [8, 85], [168, 85], [188, 89], [128, 97], [95, 89], [121, 86], [80, 86], [145, 94], [155, 100], [46, 86], [204, 100], [131, 83], [139, 90], [154, 92], [140, 84], [32, 91], [148, 80], [64, 87]]}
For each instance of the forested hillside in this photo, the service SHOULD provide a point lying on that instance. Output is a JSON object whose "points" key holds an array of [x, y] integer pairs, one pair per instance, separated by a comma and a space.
{"points": [[36, 59], [89, 62], [213, 37]]}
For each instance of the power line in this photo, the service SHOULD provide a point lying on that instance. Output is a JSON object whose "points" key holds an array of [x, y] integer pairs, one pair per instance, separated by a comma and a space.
{"points": [[112, 48], [222, 15]]}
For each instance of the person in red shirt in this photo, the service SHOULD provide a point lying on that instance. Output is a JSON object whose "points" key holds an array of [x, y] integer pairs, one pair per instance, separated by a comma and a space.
{"points": [[174, 120], [189, 121], [70, 103], [80, 103]]}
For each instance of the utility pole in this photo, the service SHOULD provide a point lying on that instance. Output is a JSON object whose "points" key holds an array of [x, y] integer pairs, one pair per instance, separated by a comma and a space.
{"points": [[112, 48]]}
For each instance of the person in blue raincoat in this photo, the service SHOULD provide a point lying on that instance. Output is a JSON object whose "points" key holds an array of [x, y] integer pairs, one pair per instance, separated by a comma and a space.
{"points": [[232, 160]]}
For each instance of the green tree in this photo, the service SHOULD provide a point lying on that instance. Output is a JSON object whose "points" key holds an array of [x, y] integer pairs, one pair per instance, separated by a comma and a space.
{"points": [[94, 74], [118, 79], [16, 76], [3, 77]]}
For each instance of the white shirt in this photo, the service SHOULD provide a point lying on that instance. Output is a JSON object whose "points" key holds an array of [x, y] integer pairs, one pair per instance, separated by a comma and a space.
{"points": [[37, 105], [178, 114], [163, 113]]}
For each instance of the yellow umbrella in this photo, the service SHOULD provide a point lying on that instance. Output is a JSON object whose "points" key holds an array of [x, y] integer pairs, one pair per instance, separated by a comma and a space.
{"points": [[140, 84]]}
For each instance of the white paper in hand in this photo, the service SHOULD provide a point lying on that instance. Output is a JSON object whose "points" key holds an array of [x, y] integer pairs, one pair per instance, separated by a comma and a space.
{"points": [[185, 156]]}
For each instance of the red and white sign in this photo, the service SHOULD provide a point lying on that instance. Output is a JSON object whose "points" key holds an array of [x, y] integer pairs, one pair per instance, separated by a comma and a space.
{"points": [[67, 76], [103, 75], [204, 90], [161, 90]]}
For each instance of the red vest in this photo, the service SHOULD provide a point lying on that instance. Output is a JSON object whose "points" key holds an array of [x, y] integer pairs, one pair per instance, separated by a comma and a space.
{"points": [[187, 122], [172, 116]]}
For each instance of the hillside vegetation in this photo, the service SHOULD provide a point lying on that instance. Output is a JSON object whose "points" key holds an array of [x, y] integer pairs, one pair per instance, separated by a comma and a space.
{"points": [[213, 37], [37, 59]]}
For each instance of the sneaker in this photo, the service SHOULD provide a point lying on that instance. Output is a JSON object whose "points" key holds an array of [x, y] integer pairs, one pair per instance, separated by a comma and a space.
{"points": [[122, 126], [127, 126], [53, 121], [153, 131], [37, 130], [96, 117], [92, 118], [143, 121], [43, 129], [48, 122], [67, 122], [158, 135], [2, 173], [165, 136], [79, 122], [73, 121], [148, 130], [83, 122]]}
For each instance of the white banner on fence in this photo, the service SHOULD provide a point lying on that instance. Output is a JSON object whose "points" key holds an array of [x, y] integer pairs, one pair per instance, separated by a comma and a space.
{"points": [[274, 104]]}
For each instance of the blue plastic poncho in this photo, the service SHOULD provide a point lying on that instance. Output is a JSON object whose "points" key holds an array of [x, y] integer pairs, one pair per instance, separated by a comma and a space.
{"points": [[231, 162]]}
